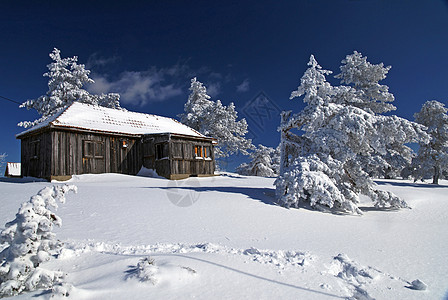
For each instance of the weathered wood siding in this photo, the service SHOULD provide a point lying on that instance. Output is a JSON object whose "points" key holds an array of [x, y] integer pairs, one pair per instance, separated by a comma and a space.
{"points": [[184, 161], [82, 153], [125, 159], [156, 153], [60, 152], [174, 155], [36, 155]]}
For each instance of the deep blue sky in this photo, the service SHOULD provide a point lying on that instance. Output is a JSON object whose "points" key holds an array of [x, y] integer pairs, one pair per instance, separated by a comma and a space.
{"points": [[149, 50]]}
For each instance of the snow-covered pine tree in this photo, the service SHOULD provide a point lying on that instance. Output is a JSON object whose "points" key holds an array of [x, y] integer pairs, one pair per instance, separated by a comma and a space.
{"points": [[321, 165], [275, 159], [65, 86], [197, 106], [2, 159], [30, 241], [216, 120], [364, 78], [432, 157], [364, 91], [260, 164]]}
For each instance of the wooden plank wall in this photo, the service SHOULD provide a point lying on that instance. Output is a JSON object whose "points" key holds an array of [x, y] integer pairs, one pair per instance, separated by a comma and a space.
{"points": [[40, 165], [61, 153], [69, 158], [125, 160], [183, 160], [161, 164]]}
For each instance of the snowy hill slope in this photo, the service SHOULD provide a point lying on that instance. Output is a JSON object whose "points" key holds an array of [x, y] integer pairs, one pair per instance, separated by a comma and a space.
{"points": [[224, 238]]}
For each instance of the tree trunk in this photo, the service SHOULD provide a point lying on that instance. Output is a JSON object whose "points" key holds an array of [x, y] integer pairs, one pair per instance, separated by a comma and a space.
{"points": [[283, 155], [435, 178]]}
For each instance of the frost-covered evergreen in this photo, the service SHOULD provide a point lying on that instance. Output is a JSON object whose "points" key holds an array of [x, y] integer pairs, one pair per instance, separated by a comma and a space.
{"points": [[30, 241], [261, 163], [364, 91], [339, 127], [197, 106], [146, 270], [215, 120], [2, 159], [65, 86], [275, 160], [432, 158]]}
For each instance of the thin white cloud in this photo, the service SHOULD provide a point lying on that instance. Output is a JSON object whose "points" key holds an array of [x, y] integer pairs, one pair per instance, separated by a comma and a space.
{"points": [[243, 87], [213, 89], [216, 75], [152, 85], [137, 88], [95, 60]]}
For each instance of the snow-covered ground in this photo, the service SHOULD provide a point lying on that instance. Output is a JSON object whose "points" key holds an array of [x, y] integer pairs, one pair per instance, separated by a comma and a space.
{"points": [[224, 238]]}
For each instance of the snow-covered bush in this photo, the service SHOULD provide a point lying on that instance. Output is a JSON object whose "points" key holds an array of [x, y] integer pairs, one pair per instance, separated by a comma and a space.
{"points": [[146, 270], [63, 289], [65, 86], [261, 163], [326, 147], [215, 120], [432, 158], [30, 242]]}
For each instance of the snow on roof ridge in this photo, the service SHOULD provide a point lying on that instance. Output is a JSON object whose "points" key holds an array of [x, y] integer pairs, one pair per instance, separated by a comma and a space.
{"points": [[105, 119]]}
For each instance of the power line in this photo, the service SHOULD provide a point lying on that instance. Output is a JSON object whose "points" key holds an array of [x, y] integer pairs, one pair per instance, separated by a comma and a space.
{"points": [[10, 100]]}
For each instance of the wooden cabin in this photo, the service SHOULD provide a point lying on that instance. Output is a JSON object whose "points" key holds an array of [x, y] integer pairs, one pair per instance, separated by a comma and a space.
{"points": [[13, 170], [85, 138]]}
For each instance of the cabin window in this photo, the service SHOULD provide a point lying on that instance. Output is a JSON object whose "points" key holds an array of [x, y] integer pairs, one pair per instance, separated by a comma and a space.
{"points": [[93, 149], [160, 153], [198, 151], [207, 152], [35, 149], [124, 144], [99, 150], [203, 152]]}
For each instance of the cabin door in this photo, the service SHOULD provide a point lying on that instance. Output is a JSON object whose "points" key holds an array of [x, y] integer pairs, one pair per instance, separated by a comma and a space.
{"points": [[93, 157]]}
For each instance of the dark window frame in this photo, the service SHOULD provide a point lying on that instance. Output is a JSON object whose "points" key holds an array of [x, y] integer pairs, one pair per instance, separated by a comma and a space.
{"points": [[202, 152], [207, 151], [93, 149]]}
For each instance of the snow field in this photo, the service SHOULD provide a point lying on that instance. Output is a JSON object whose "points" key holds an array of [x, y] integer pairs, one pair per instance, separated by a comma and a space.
{"points": [[238, 242]]}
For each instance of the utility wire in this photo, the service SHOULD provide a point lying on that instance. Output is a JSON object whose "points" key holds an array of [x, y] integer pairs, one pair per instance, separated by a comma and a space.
{"points": [[10, 100]]}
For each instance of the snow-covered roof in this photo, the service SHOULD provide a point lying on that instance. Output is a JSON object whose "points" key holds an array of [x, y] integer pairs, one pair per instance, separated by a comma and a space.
{"points": [[97, 118], [13, 169]]}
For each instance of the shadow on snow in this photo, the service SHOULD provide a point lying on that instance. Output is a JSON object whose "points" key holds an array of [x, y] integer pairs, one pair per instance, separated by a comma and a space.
{"points": [[264, 195], [411, 184], [21, 179]]}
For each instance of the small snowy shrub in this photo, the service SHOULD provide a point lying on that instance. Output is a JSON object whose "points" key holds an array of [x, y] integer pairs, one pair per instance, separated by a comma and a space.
{"points": [[30, 242], [62, 289], [261, 163], [146, 270]]}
